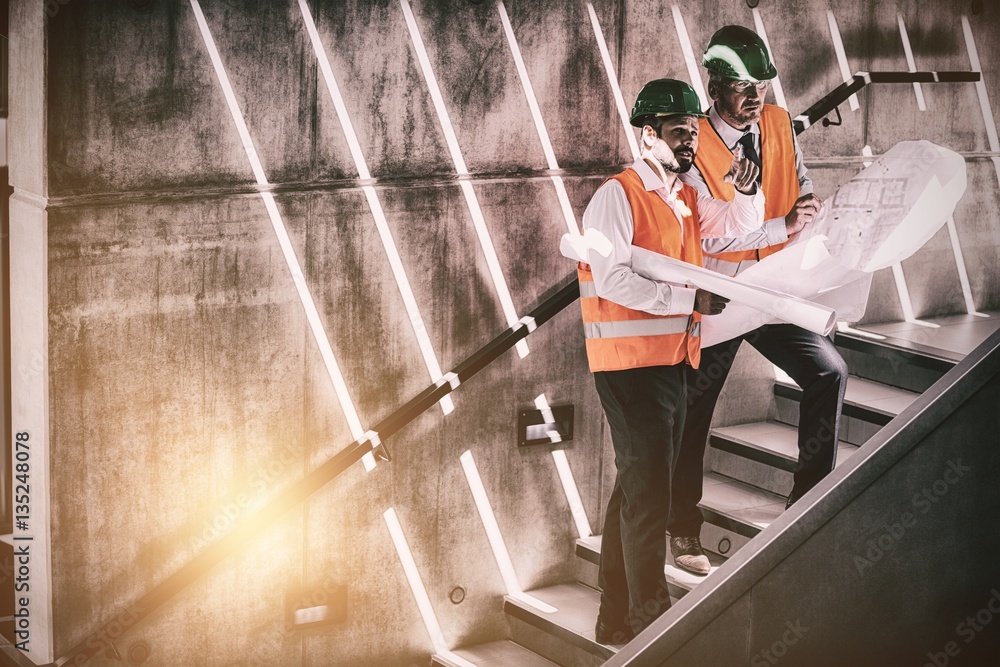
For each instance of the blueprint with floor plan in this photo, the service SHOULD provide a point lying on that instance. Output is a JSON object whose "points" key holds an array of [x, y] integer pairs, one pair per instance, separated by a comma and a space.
{"points": [[878, 218]]}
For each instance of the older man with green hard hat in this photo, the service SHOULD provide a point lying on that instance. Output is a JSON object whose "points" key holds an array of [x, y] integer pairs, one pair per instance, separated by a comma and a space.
{"points": [[740, 71], [641, 334]]}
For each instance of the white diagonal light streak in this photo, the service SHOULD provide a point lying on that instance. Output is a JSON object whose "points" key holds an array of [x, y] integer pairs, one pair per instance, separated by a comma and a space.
{"points": [[419, 591], [984, 100], [536, 116], [478, 220], [494, 536], [692, 64], [287, 250], [779, 94], [963, 273], [838, 46], [910, 62], [566, 478], [616, 90], [381, 223]]}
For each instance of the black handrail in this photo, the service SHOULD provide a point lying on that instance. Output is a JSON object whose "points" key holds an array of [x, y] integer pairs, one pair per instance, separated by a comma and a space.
{"points": [[838, 95], [373, 441]]}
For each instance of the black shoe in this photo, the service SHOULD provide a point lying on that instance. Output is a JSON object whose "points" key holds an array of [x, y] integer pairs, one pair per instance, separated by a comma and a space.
{"points": [[606, 634], [791, 501]]}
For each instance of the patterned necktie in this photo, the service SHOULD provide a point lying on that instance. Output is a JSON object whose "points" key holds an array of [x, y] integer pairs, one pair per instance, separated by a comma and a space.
{"points": [[750, 152]]}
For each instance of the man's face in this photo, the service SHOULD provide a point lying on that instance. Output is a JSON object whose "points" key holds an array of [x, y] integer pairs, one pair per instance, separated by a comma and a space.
{"points": [[740, 103], [678, 141]]}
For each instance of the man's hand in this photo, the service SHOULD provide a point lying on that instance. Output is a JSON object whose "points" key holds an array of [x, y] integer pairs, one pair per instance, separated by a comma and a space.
{"points": [[742, 172], [803, 211], [707, 303]]}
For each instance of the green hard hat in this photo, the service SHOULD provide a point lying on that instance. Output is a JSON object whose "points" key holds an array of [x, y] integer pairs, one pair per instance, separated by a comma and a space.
{"points": [[736, 52], [665, 97]]}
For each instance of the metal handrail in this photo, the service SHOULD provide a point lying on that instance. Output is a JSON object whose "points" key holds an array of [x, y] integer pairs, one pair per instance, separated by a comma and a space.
{"points": [[374, 440], [841, 93]]}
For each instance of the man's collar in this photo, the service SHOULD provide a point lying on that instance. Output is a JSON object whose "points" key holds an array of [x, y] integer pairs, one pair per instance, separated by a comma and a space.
{"points": [[650, 179], [729, 134]]}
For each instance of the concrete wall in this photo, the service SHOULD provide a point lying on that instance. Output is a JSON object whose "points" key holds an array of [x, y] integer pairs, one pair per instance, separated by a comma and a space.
{"points": [[180, 373]]}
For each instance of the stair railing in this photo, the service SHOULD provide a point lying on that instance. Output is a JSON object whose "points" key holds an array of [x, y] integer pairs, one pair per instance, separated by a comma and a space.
{"points": [[832, 100], [373, 441]]}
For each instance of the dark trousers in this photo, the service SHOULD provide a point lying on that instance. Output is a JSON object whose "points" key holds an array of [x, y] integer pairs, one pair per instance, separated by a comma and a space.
{"points": [[645, 410], [812, 361]]}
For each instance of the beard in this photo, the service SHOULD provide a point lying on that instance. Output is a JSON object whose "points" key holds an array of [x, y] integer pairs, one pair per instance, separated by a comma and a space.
{"points": [[679, 167], [677, 163], [682, 163], [740, 116]]}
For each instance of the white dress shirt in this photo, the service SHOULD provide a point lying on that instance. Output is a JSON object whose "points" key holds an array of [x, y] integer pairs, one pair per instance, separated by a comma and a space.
{"points": [[609, 212], [773, 230]]}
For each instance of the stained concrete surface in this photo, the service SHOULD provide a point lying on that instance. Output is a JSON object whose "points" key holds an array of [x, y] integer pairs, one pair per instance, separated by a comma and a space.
{"points": [[182, 369]]}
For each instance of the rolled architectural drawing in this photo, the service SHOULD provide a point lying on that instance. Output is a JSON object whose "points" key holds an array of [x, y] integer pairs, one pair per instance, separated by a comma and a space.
{"points": [[652, 265], [769, 302]]}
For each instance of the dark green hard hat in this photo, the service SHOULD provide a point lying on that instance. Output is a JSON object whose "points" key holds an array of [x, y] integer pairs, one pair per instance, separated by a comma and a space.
{"points": [[665, 97], [736, 52]]}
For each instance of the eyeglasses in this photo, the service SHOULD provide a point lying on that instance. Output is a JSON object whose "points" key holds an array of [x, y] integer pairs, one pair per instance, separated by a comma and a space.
{"points": [[744, 86]]}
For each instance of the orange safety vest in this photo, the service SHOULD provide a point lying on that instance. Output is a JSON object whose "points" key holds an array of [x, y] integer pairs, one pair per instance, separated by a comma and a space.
{"points": [[779, 180], [618, 337]]}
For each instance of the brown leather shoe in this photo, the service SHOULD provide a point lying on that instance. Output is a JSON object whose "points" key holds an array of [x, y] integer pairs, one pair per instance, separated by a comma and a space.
{"points": [[689, 556]]}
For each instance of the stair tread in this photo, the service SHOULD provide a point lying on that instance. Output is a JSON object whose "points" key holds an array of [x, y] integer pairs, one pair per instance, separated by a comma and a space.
{"points": [[955, 337], [590, 548], [575, 616], [864, 393], [883, 344], [745, 503], [502, 653], [781, 440]]}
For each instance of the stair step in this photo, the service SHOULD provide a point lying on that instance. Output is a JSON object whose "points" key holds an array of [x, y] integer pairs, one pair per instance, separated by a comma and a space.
{"points": [[771, 443], [893, 361], [503, 653], [868, 406], [954, 337], [679, 581], [565, 636], [871, 401], [738, 507], [762, 454]]}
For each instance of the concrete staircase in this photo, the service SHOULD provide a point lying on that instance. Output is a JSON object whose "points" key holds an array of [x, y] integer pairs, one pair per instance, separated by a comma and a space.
{"points": [[748, 474]]}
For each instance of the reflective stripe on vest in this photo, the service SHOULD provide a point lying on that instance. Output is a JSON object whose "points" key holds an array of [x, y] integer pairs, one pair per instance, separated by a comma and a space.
{"points": [[779, 179], [629, 328], [620, 338]]}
